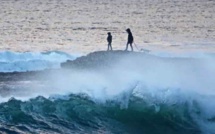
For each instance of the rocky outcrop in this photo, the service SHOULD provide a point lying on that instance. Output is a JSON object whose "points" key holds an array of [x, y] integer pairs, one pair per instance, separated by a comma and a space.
{"points": [[100, 59]]}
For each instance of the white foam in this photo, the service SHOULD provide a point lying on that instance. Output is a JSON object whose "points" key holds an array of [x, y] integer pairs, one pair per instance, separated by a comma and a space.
{"points": [[30, 61]]}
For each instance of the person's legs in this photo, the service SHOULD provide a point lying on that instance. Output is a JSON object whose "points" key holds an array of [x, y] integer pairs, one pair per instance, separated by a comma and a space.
{"points": [[108, 46], [126, 49], [111, 47], [131, 46]]}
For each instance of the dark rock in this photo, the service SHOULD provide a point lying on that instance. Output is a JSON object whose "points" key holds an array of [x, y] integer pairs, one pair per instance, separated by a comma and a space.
{"points": [[100, 59]]}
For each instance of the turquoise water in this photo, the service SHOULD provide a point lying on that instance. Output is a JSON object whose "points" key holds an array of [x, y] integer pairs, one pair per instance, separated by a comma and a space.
{"points": [[79, 114]]}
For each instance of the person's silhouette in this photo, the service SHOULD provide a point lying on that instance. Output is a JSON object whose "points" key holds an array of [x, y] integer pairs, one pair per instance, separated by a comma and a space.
{"points": [[130, 39], [109, 40]]}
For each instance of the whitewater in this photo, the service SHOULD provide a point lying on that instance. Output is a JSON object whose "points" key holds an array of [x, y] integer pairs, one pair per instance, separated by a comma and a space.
{"points": [[107, 92]]}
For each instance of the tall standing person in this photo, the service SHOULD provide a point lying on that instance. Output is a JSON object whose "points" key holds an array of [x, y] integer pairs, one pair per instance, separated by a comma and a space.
{"points": [[130, 39], [109, 40]]}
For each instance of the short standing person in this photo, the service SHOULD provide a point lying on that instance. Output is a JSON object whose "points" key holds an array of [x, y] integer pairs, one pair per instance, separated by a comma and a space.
{"points": [[109, 40], [130, 39]]}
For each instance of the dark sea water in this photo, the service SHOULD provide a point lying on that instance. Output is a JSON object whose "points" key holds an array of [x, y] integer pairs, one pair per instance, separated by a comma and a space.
{"points": [[79, 114]]}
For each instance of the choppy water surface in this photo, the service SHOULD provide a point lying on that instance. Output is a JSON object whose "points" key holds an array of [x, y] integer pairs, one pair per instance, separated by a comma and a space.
{"points": [[82, 26]]}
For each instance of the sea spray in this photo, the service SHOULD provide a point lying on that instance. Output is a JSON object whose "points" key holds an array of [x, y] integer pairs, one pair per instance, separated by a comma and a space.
{"points": [[130, 94]]}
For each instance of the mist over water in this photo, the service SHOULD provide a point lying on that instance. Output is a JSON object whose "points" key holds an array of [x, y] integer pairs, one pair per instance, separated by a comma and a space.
{"points": [[159, 82], [169, 81]]}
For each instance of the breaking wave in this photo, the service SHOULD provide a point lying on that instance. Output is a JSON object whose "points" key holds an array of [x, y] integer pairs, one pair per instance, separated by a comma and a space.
{"points": [[31, 61], [144, 94]]}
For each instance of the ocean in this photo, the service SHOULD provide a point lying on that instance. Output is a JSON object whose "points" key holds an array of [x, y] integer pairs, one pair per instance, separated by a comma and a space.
{"points": [[81, 26], [158, 94], [57, 78]]}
